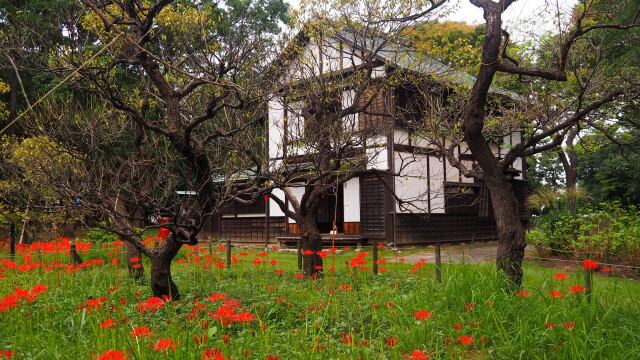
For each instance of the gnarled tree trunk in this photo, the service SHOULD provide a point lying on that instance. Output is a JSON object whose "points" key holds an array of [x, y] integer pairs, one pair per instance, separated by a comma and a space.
{"points": [[311, 245], [134, 263], [162, 283]]}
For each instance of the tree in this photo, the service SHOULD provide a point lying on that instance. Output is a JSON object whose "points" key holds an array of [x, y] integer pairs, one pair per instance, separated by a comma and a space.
{"points": [[191, 71]]}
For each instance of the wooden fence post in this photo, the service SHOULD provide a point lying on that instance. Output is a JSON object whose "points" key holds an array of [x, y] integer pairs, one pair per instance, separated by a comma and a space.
{"points": [[375, 256], [438, 264], [228, 253], [299, 245]]}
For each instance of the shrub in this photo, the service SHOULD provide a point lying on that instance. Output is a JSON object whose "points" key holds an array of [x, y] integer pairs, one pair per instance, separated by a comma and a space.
{"points": [[98, 236]]}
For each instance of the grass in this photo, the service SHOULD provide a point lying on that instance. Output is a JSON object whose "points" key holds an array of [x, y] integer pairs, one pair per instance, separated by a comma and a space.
{"points": [[348, 314]]}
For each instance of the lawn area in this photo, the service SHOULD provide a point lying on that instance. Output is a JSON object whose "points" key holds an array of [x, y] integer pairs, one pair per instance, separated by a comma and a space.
{"points": [[259, 309]]}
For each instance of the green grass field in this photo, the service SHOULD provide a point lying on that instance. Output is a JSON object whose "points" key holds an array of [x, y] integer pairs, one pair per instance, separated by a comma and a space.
{"points": [[346, 314]]}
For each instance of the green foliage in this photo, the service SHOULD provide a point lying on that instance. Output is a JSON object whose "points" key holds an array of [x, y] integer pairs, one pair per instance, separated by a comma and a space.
{"points": [[99, 236], [592, 230], [301, 319]]}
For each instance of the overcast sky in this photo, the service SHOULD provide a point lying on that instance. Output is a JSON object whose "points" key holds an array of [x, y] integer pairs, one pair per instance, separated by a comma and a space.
{"points": [[523, 19]]}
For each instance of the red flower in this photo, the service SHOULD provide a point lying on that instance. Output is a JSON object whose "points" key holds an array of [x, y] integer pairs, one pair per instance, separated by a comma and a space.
{"points": [[112, 355], [417, 355], [605, 269], [469, 307], [465, 340], [549, 325], [555, 294], [561, 276], [422, 315], [212, 354], [576, 288], [108, 324], [457, 326], [380, 246], [346, 339], [523, 293], [257, 261], [391, 341], [569, 325], [298, 276], [200, 340], [151, 304], [273, 357], [307, 252], [164, 345], [263, 254], [141, 331], [590, 265], [280, 272], [345, 287], [273, 262], [318, 267]]}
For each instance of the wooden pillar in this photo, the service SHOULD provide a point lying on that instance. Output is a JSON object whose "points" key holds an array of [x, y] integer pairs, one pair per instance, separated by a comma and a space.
{"points": [[299, 254], [375, 256], [438, 263]]}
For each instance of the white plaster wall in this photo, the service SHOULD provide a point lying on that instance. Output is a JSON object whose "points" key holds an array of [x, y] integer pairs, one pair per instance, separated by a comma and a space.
{"points": [[297, 191], [274, 208], [401, 136], [436, 182], [352, 200], [412, 184]]}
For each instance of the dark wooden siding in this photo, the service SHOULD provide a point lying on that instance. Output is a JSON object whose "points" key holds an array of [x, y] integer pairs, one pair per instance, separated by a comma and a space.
{"points": [[250, 230], [372, 205], [412, 229]]}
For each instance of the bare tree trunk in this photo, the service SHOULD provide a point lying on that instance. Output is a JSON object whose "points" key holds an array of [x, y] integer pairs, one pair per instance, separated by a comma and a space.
{"points": [[134, 264], [568, 158], [75, 258], [311, 245], [162, 283]]}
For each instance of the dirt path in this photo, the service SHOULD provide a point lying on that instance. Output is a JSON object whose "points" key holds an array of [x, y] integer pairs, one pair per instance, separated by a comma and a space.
{"points": [[468, 253]]}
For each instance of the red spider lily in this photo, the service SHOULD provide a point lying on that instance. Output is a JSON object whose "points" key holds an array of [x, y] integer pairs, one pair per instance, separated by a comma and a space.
{"points": [[549, 325], [112, 355], [273, 262], [217, 296], [212, 354], [6, 354], [555, 294], [391, 341], [345, 287], [274, 247], [382, 269], [346, 339], [219, 264], [569, 325], [457, 326], [381, 261], [577, 288], [323, 253], [151, 304], [243, 253], [469, 307], [380, 246], [280, 272], [606, 269], [422, 315], [465, 340], [108, 324], [164, 345], [141, 331], [298, 276], [307, 252], [561, 276], [590, 264], [359, 261], [92, 304], [263, 254], [523, 293], [318, 267], [200, 340], [272, 357], [257, 261], [417, 355], [163, 233]]}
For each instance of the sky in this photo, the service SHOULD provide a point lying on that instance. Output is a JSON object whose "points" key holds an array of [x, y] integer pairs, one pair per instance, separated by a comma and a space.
{"points": [[523, 19]]}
